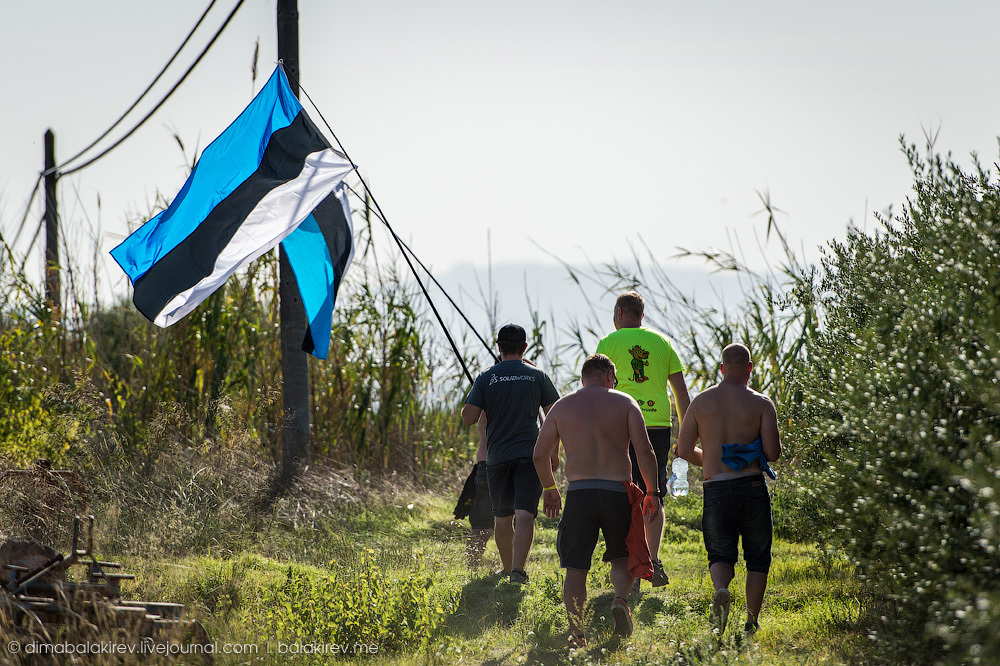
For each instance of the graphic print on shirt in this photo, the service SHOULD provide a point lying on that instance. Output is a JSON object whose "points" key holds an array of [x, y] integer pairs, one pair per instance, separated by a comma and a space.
{"points": [[640, 359], [494, 378]]}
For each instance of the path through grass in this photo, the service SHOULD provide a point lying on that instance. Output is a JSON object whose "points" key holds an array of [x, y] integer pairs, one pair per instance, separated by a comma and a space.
{"points": [[392, 575]]}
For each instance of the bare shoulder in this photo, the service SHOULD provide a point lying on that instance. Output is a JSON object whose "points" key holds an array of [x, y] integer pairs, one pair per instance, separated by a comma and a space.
{"points": [[565, 402], [705, 396], [621, 398], [763, 399]]}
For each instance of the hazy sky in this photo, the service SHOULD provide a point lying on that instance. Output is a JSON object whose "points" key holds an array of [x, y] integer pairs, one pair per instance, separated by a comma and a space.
{"points": [[577, 127]]}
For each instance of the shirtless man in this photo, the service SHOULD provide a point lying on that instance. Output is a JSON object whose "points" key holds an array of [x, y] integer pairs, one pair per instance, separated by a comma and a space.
{"points": [[738, 429], [595, 424]]}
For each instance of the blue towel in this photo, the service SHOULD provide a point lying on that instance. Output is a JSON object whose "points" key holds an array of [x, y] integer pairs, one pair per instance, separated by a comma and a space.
{"points": [[738, 456]]}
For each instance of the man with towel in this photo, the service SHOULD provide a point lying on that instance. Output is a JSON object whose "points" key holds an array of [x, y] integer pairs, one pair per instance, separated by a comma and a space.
{"points": [[595, 424], [738, 429]]}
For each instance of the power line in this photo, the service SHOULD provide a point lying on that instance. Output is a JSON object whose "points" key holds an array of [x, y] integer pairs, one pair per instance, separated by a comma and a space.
{"points": [[27, 209], [392, 232], [439, 285], [58, 169], [144, 92], [165, 98]]}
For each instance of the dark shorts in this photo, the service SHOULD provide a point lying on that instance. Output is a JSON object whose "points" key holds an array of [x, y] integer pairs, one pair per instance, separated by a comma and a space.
{"points": [[660, 439], [735, 509], [481, 511], [514, 486], [593, 505]]}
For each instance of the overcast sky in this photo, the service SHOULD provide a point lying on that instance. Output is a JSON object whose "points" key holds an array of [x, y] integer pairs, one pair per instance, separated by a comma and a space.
{"points": [[573, 128]]}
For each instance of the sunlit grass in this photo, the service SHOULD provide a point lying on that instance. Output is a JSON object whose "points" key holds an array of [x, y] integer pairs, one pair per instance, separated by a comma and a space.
{"points": [[487, 620]]}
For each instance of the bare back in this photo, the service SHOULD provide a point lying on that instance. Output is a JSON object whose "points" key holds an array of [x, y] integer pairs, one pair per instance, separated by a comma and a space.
{"points": [[594, 426], [732, 413]]}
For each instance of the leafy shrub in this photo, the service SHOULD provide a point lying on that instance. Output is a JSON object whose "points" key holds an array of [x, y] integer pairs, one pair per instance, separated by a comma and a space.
{"points": [[360, 605], [903, 395]]}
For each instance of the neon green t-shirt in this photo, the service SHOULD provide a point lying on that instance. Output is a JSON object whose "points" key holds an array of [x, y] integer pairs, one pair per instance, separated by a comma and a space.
{"points": [[644, 359]]}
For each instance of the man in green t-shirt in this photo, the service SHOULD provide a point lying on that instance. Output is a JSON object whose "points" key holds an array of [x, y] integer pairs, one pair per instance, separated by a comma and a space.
{"points": [[647, 364]]}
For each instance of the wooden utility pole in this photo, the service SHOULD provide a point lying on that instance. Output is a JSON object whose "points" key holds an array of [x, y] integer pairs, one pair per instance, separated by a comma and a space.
{"points": [[53, 290], [295, 433]]}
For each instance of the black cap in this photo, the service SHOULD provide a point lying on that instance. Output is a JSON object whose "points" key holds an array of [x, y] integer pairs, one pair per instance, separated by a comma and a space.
{"points": [[511, 334]]}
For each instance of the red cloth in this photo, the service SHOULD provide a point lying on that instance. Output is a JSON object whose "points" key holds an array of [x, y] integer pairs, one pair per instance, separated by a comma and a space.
{"points": [[640, 565]]}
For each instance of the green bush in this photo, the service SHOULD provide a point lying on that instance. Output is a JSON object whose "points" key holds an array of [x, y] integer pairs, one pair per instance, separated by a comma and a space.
{"points": [[357, 606], [902, 396]]}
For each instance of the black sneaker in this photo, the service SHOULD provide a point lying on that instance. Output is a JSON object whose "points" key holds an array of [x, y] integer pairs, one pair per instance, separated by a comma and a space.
{"points": [[659, 575], [519, 576], [720, 610], [751, 628]]}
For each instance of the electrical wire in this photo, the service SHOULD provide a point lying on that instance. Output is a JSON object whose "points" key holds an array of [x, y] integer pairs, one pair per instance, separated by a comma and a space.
{"points": [[165, 98], [438, 284], [140, 98], [27, 210], [392, 232], [58, 169]]}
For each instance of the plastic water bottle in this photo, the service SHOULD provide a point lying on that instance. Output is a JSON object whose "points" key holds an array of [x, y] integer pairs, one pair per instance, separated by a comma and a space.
{"points": [[678, 482]]}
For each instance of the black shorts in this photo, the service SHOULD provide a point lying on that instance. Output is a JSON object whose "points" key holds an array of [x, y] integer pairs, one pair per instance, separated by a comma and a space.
{"points": [[481, 511], [514, 486], [738, 509], [593, 505], [660, 439]]}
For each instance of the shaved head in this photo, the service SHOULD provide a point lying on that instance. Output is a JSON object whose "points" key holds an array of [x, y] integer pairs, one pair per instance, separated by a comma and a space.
{"points": [[735, 355]]}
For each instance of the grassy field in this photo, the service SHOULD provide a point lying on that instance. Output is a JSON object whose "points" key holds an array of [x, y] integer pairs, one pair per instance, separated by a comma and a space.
{"points": [[387, 581]]}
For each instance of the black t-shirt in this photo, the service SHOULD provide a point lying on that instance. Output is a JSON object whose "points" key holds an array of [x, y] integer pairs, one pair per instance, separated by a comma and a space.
{"points": [[510, 393]]}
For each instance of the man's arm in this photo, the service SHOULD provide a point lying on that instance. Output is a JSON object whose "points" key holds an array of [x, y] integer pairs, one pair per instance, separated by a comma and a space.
{"points": [[643, 448], [471, 414], [541, 422], [681, 397], [644, 455], [547, 448], [481, 454], [770, 440], [688, 437]]}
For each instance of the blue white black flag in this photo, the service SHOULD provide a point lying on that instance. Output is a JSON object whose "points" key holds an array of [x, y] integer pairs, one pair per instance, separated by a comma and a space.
{"points": [[253, 188]]}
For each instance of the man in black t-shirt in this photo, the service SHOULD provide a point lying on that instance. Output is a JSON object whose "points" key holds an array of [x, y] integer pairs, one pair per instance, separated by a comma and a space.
{"points": [[511, 392]]}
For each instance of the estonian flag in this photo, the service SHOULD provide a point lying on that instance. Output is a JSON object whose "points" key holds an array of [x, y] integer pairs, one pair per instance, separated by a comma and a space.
{"points": [[270, 178]]}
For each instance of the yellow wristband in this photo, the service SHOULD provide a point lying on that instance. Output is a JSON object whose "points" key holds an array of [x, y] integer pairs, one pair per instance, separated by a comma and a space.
{"points": [[552, 487]]}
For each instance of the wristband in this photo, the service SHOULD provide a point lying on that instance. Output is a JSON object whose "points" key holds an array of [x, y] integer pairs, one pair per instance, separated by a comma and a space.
{"points": [[552, 487]]}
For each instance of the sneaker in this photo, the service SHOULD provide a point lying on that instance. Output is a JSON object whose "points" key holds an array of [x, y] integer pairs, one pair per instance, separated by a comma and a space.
{"points": [[751, 628], [519, 576], [576, 641], [720, 609], [660, 577], [622, 616]]}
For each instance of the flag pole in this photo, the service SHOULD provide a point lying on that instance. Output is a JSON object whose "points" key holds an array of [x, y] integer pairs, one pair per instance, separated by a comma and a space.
{"points": [[295, 431]]}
